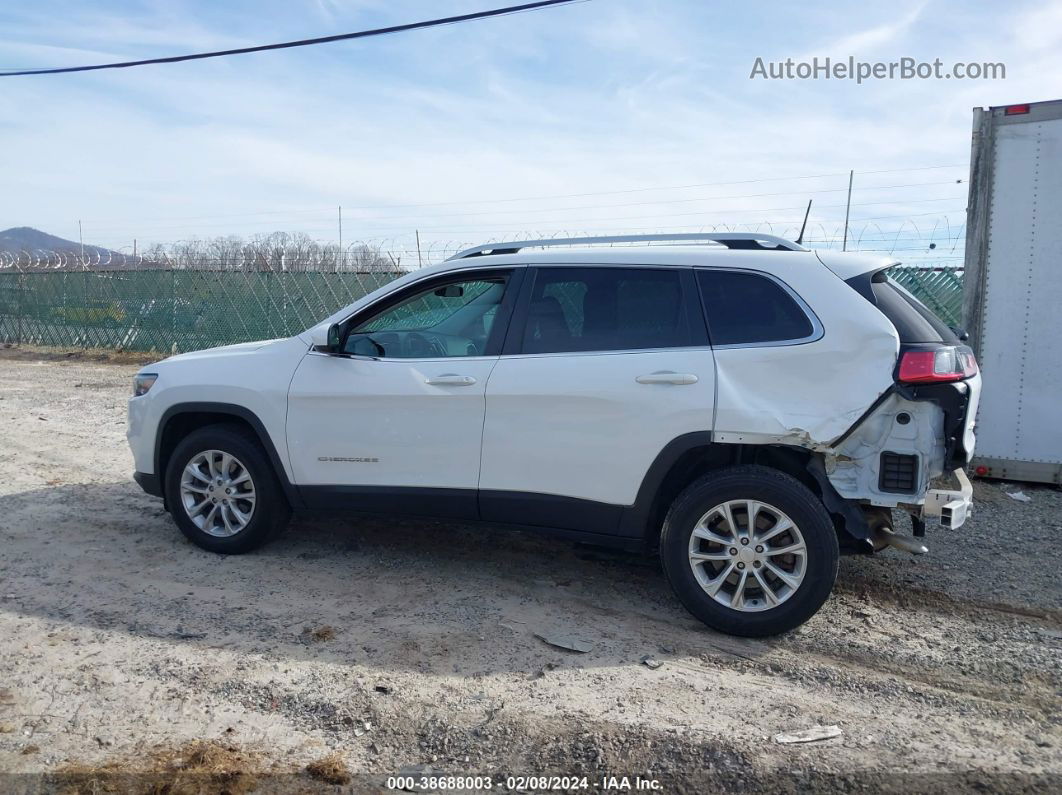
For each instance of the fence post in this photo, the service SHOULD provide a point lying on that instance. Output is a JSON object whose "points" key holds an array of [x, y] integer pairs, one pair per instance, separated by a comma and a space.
{"points": [[86, 301], [173, 311], [20, 285]]}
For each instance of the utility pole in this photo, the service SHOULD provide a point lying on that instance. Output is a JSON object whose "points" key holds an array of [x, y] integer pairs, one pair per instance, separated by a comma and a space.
{"points": [[341, 227], [420, 262], [847, 207], [134, 248], [81, 239]]}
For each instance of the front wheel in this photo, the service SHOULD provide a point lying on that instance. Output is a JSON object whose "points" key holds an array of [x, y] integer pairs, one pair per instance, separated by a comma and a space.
{"points": [[750, 551], [222, 491]]}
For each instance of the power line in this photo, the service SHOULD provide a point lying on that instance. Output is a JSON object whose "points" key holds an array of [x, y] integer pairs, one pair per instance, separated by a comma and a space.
{"points": [[660, 201], [510, 230], [411, 218], [660, 188], [324, 210], [362, 221], [643, 190], [362, 34], [363, 225]]}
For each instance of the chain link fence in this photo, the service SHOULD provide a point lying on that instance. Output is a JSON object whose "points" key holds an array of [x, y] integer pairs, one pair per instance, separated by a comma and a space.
{"points": [[938, 288], [182, 310], [170, 310]]}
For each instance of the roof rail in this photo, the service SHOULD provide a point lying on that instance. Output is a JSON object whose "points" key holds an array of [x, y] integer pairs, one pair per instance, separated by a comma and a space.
{"points": [[733, 240]]}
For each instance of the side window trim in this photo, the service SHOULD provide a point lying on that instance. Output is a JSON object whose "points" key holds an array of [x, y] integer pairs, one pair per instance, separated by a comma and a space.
{"points": [[697, 318], [499, 332], [514, 276], [514, 330], [691, 296], [817, 330]]}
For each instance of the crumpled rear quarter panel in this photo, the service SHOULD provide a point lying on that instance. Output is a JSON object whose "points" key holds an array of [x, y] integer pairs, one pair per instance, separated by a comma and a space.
{"points": [[807, 394]]}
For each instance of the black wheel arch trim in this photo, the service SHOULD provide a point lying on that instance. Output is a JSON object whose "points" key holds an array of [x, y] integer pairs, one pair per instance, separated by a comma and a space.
{"points": [[151, 484], [635, 519], [234, 410], [855, 520]]}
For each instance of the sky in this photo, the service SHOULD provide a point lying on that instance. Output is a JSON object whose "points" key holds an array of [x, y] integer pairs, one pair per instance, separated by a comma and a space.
{"points": [[599, 117]]}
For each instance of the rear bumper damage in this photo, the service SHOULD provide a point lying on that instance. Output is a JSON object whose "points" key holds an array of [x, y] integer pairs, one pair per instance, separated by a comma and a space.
{"points": [[894, 460], [950, 507]]}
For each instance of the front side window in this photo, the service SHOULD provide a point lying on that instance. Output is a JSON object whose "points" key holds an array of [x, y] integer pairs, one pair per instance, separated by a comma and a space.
{"points": [[745, 308], [605, 309], [454, 318]]}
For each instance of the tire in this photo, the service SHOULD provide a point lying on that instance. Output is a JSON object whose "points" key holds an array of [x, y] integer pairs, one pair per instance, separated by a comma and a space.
{"points": [[755, 613], [204, 450]]}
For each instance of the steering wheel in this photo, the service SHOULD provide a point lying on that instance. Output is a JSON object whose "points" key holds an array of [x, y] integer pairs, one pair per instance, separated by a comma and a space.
{"points": [[418, 345]]}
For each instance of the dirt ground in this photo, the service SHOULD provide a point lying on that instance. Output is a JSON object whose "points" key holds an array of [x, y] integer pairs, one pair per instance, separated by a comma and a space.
{"points": [[384, 647]]}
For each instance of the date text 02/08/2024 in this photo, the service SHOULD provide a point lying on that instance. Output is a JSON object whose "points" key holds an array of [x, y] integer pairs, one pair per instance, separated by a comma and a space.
{"points": [[522, 783]]}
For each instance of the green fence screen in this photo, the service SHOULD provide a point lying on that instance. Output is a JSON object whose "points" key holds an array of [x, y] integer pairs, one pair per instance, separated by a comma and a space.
{"points": [[184, 310], [170, 310], [938, 288]]}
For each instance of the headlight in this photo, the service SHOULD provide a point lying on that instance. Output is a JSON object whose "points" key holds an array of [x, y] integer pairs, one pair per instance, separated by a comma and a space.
{"points": [[142, 382]]}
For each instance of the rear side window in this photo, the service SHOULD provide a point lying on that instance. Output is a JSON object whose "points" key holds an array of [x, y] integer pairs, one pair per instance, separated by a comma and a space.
{"points": [[745, 308], [605, 309], [914, 322]]}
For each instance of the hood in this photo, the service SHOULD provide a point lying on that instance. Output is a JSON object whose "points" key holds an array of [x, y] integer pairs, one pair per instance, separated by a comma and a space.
{"points": [[223, 350]]}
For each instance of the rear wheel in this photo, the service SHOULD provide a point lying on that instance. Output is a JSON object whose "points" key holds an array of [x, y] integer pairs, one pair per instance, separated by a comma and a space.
{"points": [[222, 491], [750, 551]]}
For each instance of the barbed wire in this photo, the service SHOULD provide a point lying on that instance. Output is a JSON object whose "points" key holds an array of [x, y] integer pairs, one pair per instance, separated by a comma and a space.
{"points": [[200, 293], [935, 236]]}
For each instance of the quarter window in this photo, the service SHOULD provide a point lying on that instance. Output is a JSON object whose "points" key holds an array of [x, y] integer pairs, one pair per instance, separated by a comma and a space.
{"points": [[605, 309], [747, 308], [914, 322]]}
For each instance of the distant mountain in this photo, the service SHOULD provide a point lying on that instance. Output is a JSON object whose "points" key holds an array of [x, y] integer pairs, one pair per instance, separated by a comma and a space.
{"points": [[19, 239]]}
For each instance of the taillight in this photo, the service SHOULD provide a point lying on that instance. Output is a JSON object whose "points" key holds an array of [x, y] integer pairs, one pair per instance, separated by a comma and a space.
{"points": [[934, 366]]}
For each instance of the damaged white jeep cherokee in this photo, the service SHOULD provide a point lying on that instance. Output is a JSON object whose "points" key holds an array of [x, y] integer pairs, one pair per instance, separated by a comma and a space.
{"points": [[745, 406]]}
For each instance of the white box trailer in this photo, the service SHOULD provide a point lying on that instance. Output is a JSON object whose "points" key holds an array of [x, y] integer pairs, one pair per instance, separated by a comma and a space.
{"points": [[1012, 295]]}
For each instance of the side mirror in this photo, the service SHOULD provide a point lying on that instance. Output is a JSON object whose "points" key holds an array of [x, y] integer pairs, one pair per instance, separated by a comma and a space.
{"points": [[961, 333], [327, 340]]}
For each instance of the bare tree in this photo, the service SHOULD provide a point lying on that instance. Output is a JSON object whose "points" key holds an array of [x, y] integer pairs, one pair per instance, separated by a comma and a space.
{"points": [[364, 258], [275, 251]]}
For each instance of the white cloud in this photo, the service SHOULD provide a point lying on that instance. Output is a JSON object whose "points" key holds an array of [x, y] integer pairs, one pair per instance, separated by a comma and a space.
{"points": [[862, 44], [609, 97], [1040, 28]]}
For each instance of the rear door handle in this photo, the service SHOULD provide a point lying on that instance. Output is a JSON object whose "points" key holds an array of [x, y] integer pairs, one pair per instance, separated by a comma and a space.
{"points": [[667, 377], [449, 379]]}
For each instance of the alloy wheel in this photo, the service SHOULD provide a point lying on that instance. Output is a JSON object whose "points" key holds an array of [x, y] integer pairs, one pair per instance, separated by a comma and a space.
{"points": [[217, 493], [747, 555]]}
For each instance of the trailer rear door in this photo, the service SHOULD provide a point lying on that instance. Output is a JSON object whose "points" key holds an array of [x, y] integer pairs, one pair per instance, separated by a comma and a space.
{"points": [[1013, 301]]}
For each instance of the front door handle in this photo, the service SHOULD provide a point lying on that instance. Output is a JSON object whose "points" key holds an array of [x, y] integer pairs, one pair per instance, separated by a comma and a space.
{"points": [[667, 377], [449, 379]]}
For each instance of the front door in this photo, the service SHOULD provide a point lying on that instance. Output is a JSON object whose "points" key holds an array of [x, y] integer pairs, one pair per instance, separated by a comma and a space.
{"points": [[395, 421]]}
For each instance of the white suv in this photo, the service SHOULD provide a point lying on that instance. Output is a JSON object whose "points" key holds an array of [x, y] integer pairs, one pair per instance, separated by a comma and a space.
{"points": [[745, 406]]}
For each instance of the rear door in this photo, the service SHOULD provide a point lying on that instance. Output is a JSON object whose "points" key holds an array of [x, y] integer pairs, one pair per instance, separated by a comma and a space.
{"points": [[603, 366]]}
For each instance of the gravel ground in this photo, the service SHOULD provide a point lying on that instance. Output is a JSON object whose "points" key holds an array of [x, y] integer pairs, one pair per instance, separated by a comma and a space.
{"points": [[412, 645]]}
